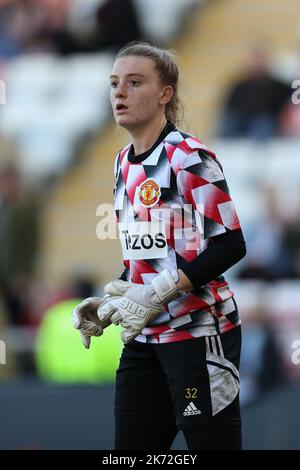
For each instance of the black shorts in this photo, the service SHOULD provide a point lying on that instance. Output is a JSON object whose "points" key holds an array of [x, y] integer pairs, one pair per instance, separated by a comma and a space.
{"points": [[194, 382]]}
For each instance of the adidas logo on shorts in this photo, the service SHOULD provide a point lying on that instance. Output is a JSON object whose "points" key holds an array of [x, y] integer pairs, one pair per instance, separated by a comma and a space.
{"points": [[191, 410]]}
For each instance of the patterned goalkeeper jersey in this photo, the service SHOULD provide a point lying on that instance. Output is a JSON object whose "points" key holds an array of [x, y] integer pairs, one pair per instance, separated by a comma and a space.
{"points": [[169, 203]]}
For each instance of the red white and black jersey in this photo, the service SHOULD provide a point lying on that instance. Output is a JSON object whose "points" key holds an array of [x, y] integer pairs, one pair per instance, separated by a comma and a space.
{"points": [[169, 203]]}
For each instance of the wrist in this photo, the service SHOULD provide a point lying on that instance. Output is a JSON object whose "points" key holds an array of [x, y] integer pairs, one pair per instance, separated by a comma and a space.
{"points": [[183, 284], [165, 286]]}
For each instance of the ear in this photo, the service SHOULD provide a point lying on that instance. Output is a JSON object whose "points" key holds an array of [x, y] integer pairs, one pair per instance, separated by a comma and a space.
{"points": [[166, 95]]}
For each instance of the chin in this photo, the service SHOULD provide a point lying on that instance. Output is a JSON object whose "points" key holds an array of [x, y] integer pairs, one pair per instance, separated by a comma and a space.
{"points": [[123, 122], [127, 123]]}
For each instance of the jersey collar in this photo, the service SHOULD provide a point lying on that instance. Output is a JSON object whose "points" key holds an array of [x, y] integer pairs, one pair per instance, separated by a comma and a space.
{"points": [[169, 127]]}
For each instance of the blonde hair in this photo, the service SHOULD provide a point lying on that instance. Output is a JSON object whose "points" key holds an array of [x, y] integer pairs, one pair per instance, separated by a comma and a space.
{"points": [[166, 68]]}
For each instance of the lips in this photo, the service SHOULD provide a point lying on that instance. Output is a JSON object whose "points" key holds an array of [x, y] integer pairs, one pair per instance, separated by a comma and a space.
{"points": [[121, 108]]}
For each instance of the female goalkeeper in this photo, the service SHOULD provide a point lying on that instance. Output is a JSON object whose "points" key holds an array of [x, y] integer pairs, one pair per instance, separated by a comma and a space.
{"points": [[179, 233]]}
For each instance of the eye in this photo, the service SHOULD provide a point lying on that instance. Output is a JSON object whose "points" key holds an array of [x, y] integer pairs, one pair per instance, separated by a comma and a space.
{"points": [[114, 84], [134, 83]]}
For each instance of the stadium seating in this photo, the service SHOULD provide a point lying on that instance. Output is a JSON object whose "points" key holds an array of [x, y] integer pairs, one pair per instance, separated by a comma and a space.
{"points": [[161, 20], [53, 102]]}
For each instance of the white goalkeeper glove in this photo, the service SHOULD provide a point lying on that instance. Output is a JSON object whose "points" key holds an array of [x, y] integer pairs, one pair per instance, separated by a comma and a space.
{"points": [[84, 315], [140, 304]]}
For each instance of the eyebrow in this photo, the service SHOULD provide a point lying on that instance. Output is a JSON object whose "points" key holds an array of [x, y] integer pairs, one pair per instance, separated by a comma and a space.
{"points": [[130, 75]]}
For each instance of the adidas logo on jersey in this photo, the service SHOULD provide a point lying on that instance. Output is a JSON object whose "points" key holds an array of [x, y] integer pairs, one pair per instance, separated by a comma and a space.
{"points": [[191, 410]]}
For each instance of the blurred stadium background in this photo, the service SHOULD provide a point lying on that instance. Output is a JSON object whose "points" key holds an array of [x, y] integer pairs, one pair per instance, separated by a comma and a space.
{"points": [[239, 60]]}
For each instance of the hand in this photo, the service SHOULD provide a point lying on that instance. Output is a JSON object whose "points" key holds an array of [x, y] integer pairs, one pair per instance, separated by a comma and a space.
{"points": [[140, 304], [84, 315], [85, 319]]}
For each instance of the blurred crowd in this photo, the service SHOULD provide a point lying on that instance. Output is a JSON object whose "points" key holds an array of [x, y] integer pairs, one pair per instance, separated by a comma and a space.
{"points": [[44, 27], [65, 26], [273, 241], [258, 105]]}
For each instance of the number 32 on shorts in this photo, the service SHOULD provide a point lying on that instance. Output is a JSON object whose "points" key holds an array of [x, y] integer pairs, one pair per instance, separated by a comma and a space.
{"points": [[191, 392]]}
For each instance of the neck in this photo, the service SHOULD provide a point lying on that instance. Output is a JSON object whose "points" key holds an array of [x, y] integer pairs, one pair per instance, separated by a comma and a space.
{"points": [[143, 139]]}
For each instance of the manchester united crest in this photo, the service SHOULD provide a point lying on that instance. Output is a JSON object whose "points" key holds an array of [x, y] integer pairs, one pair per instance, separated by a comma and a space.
{"points": [[149, 192]]}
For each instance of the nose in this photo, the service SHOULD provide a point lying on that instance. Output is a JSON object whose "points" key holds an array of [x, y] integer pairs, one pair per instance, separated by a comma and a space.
{"points": [[120, 91]]}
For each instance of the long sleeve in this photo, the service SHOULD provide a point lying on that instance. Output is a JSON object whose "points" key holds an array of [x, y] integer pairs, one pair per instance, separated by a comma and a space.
{"points": [[202, 184], [222, 252]]}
